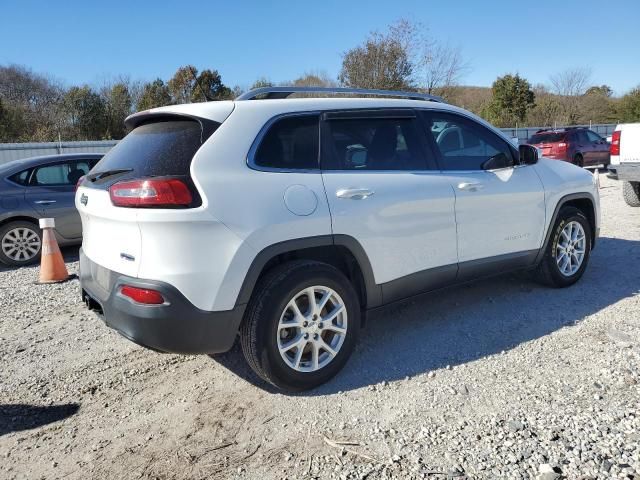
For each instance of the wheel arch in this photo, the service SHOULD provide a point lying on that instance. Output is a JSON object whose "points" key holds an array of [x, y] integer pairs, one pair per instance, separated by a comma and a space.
{"points": [[584, 202], [341, 251], [20, 218]]}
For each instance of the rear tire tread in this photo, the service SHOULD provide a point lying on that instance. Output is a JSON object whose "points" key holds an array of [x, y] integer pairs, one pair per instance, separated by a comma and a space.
{"points": [[631, 193]]}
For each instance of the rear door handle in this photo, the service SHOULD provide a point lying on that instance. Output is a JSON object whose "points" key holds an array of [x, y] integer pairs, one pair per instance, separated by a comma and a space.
{"points": [[44, 202], [470, 186], [354, 193]]}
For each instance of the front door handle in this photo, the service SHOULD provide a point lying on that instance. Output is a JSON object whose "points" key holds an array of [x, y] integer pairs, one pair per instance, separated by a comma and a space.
{"points": [[354, 193], [470, 186], [44, 202]]}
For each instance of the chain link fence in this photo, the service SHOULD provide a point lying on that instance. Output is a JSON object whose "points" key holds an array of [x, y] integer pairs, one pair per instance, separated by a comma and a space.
{"points": [[16, 151]]}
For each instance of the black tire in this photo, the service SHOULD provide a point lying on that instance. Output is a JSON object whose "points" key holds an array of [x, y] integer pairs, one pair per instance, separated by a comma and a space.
{"points": [[259, 331], [548, 271], [20, 224], [631, 193], [578, 160]]}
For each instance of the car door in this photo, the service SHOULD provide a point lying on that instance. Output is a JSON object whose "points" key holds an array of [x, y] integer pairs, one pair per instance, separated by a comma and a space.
{"points": [[51, 191], [600, 148], [383, 192], [586, 148], [500, 213]]}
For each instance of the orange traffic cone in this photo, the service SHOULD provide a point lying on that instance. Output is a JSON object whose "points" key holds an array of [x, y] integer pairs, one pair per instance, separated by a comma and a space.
{"points": [[52, 267]]}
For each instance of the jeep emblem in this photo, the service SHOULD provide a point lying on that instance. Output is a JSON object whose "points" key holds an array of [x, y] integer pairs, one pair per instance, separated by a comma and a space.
{"points": [[84, 199]]}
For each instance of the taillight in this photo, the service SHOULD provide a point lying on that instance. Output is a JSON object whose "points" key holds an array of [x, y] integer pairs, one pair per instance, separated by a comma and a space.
{"points": [[561, 147], [153, 192], [142, 295], [80, 180], [614, 149]]}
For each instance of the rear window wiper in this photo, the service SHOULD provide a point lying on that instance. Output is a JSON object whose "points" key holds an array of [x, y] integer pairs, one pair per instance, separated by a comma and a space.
{"points": [[107, 173]]}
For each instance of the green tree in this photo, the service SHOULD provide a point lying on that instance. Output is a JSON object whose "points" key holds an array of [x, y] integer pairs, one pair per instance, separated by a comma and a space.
{"points": [[12, 124], [512, 99], [601, 90], [209, 87], [183, 83], [85, 114], [261, 83], [629, 106], [118, 104], [380, 62], [154, 94]]}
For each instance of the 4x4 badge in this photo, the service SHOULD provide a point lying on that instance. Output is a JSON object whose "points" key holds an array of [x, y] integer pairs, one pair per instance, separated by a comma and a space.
{"points": [[84, 199]]}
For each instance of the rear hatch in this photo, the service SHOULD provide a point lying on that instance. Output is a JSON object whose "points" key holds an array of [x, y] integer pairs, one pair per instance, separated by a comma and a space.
{"points": [[148, 169], [550, 144]]}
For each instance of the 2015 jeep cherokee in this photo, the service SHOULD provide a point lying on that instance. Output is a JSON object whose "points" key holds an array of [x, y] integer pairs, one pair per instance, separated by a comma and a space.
{"points": [[284, 219]]}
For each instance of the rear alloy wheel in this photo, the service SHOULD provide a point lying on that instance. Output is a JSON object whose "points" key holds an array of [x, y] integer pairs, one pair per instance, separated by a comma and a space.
{"points": [[301, 325], [578, 160], [20, 243], [631, 193], [568, 250]]}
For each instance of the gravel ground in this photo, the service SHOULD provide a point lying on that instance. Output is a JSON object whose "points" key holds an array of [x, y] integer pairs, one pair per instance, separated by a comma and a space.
{"points": [[499, 379]]}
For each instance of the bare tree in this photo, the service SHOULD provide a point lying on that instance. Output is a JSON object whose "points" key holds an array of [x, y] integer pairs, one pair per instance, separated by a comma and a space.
{"points": [[437, 66], [571, 82], [442, 67]]}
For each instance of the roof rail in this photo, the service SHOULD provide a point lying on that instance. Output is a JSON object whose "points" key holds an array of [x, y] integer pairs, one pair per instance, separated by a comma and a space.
{"points": [[284, 92]]}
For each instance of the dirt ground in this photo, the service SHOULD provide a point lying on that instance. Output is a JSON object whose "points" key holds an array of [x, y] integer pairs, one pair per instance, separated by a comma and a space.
{"points": [[502, 378]]}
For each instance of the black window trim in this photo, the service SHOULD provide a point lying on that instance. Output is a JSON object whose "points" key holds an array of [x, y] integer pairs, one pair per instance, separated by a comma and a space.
{"points": [[430, 164], [263, 131], [436, 152], [58, 162], [9, 180]]}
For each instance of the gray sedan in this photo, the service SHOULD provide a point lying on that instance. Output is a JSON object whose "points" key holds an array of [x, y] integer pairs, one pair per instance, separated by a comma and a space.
{"points": [[36, 188]]}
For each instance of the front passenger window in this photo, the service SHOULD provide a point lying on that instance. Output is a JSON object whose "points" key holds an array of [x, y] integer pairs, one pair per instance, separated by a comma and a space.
{"points": [[463, 144]]}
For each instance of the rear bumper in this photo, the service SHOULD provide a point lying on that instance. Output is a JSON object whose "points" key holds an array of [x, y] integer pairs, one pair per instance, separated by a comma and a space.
{"points": [[176, 326], [625, 171]]}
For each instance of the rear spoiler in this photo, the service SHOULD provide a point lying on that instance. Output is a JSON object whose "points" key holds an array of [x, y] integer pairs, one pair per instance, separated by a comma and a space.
{"points": [[150, 116]]}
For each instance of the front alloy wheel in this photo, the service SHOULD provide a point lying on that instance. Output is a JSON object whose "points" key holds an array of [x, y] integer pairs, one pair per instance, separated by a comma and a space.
{"points": [[571, 248], [567, 252]]}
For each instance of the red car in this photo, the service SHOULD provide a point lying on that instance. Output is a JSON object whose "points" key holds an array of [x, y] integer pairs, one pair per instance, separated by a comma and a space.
{"points": [[578, 145]]}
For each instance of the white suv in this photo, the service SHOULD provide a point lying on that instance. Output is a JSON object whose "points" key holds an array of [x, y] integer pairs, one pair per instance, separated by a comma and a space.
{"points": [[282, 220]]}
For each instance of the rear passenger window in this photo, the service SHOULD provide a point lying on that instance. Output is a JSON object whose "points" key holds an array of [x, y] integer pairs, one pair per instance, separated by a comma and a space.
{"points": [[290, 143], [60, 174], [462, 143], [374, 144]]}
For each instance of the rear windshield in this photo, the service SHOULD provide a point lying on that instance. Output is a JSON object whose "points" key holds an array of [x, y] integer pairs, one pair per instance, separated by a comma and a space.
{"points": [[163, 148], [550, 137]]}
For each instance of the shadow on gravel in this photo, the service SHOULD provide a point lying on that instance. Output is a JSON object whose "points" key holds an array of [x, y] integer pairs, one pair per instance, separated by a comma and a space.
{"points": [[469, 322], [18, 417]]}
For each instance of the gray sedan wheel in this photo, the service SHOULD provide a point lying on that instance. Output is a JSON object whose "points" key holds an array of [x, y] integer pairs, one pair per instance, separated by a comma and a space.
{"points": [[20, 243]]}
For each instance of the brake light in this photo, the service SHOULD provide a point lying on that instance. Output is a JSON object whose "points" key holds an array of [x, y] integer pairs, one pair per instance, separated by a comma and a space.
{"points": [[142, 295], [154, 192], [614, 149], [80, 180]]}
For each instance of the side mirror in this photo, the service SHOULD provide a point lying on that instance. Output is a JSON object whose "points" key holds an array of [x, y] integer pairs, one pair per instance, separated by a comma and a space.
{"points": [[528, 155], [498, 161]]}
